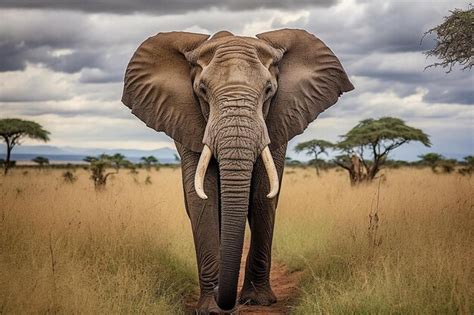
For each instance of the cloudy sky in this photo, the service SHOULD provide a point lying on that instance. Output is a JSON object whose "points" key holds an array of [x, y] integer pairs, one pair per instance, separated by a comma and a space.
{"points": [[62, 65]]}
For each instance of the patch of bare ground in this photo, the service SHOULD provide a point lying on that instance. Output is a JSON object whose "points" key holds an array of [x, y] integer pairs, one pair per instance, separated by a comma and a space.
{"points": [[284, 285]]}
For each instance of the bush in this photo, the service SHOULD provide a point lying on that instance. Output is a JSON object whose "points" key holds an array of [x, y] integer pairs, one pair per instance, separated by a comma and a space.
{"points": [[468, 166], [148, 180], [99, 165], [69, 177]]}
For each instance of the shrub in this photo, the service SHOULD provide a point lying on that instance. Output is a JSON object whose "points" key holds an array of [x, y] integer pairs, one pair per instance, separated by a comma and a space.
{"points": [[69, 177]]}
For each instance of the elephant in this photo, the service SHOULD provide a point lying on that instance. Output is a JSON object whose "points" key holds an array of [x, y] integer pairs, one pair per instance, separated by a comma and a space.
{"points": [[231, 104]]}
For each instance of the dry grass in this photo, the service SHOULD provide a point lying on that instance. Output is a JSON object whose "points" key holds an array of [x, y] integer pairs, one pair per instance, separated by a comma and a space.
{"points": [[65, 248], [418, 258]]}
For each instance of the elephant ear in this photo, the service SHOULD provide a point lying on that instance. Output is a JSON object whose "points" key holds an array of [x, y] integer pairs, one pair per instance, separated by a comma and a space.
{"points": [[158, 87], [311, 79]]}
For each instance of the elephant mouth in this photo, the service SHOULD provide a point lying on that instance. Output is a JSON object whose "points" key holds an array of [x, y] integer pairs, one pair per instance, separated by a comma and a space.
{"points": [[204, 162]]}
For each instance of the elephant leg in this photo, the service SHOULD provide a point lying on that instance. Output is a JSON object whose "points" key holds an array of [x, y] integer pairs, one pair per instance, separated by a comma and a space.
{"points": [[256, 288], [204, 217]]}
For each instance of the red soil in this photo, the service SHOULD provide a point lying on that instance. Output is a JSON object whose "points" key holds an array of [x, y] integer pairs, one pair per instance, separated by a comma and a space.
{"points": [[284, 285]]}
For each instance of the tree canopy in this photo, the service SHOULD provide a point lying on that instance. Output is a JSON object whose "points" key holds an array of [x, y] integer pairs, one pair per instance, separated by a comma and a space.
{"points": [[148, 161], [382, 135], [100, 164], [314, 147], [13, 130], [16, 129], [468, 165], [378, 137], [454, 40], [41, 160], [431, 158]]}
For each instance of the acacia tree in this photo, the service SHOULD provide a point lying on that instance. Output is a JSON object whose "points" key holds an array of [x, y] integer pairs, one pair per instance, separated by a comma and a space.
{"points": [[41, 160], [314, 148], [351, 163], [149, 161], [453, 40], [468, 165], [431, 159], [376, 138], [100, 164], [14, 130]]}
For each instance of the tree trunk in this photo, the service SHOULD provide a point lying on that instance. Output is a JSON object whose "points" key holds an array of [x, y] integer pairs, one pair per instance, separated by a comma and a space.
{"points": [[373, 170], [350, 170], [7, 161]]}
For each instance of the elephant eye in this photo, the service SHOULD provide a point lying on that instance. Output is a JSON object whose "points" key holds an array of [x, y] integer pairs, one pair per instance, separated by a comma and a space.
{"points": [[202, 89], [268, 89]]}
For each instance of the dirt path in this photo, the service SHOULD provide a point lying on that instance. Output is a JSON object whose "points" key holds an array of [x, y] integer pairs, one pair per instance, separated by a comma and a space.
{"points": [[284, 285]]}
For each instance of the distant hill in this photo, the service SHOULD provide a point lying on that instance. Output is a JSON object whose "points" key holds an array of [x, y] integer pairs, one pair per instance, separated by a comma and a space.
{"points": [[72, 154], [34, 149]]}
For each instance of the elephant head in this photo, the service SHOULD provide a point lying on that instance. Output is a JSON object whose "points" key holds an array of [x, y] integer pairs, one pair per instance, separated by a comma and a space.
{"points": [[234, 98]]}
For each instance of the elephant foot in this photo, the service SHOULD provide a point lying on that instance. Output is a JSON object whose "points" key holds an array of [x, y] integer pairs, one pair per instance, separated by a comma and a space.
{"points": [[207, 305], [257, 295]]}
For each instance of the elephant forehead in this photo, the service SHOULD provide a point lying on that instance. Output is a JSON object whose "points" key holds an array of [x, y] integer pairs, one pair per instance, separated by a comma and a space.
{"points": [[222, 49], [233, 49], [237, 69]]}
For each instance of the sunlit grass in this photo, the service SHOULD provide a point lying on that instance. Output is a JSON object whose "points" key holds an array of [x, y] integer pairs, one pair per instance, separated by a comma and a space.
{"points": [[417, 259], [66, 248]]}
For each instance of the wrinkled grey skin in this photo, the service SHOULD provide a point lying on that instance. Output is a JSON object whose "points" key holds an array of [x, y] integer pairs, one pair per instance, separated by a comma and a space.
{"points": [[236, 95]]}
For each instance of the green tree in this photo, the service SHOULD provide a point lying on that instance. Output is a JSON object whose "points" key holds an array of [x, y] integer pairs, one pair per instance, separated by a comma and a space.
{"points": [[453, 40], [352, 164], [448, 165], [100, 164], [289, 161], [14, 130], [41, 160], [396, 163], [376, 138], [69, 177], [149, 161], [314, 148], [468, 165], [117, 160], [90, 159], [431, 159]]}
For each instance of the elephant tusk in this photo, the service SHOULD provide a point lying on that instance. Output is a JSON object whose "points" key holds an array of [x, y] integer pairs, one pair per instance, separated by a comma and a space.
{"points": [[201, 172], [271, 171]]}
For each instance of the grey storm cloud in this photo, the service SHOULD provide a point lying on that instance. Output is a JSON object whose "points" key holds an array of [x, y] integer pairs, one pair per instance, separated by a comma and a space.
{"points": [[367, 37], [163, 6], [62, 62], [379, 26], [15, 56]]}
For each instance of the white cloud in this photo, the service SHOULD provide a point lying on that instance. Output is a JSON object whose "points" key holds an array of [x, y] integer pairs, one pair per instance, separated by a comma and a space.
{"points": [[36, 83], [270, 18], [449, 125], [75, 62]]}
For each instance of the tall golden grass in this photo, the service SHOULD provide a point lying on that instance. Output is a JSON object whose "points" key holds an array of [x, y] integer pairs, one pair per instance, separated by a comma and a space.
{"points": [[66, 248], [418, 258]]}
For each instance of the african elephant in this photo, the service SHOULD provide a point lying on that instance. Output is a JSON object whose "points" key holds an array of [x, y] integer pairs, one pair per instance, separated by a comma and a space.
{"points": [[231, 104]]}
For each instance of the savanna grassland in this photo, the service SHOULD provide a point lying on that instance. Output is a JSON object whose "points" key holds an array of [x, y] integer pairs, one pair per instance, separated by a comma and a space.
{"points": [[402, 244]]}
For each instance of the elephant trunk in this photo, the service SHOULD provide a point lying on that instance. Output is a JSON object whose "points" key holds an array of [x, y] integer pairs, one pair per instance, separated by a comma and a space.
{"points": [[235, 189], [237, 142], [236, 138]]}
